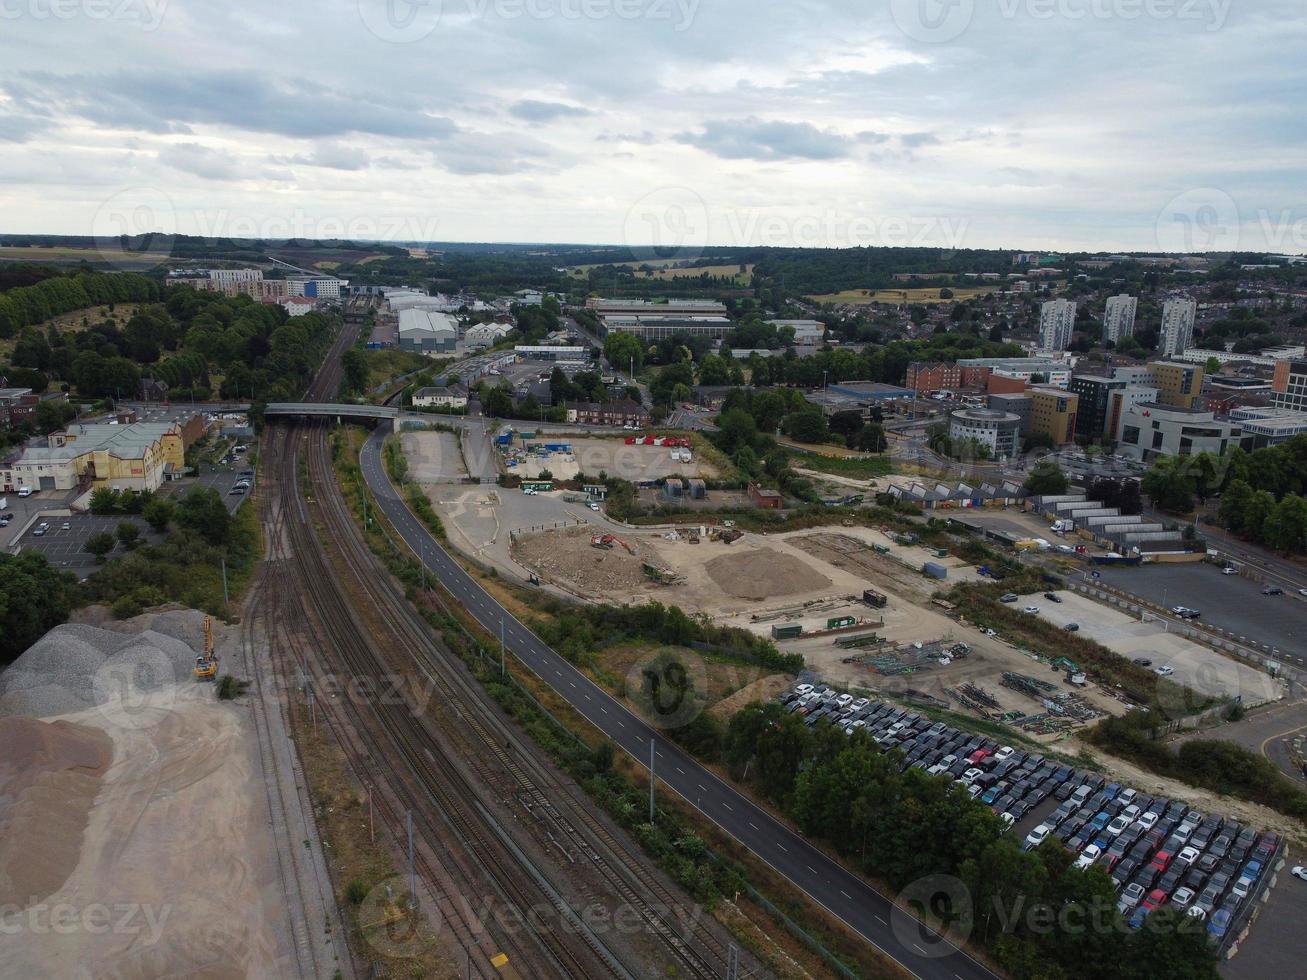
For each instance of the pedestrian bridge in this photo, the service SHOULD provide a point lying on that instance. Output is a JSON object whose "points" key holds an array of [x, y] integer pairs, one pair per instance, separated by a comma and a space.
{"points": [[324, 410]]}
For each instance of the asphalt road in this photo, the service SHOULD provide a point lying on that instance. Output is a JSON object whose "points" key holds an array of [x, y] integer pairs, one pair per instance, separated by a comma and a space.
{"points": [[1229, 601], [842, 893]]}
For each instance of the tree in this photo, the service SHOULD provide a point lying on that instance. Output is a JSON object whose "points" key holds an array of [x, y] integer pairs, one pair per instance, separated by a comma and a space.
{"points": [[871, 439], [128, 534], [1170, 485], [846, 423], [354, 365], [1286, 527], [1046, 479], [1235, 502], [1213, 366], [100, 545], [104, 500], [34, 597], [736, 430], [203, 511], [157, 513], [807, 426], [621, 348]]}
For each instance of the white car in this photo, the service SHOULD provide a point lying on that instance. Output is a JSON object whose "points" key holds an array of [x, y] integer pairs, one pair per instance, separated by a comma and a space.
{"points": [[1031, 609], [1229, 571], [1188, 855], [1118, 825], [861, 703], [1299, 872], [1088, 856], [844, 700], [1183, 899], [803, 689], [1165, 671], [1003, 753], [936, 769], [971, 775], [1241, 888], [594, 507], [1146, 821], [1302, 592], [1037, 837]]}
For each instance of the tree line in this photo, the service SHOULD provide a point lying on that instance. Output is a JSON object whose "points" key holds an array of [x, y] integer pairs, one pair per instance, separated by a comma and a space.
{"points": [[25, 306]]}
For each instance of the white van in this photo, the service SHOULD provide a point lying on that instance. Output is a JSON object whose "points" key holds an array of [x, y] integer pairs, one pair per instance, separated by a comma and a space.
{"points": [[24, 491]]}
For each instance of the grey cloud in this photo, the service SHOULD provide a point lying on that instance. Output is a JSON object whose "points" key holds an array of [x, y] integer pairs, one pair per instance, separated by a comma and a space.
{"points": [[644, 139], [20, 129], [202, 161], [758, 139], [534, 111], [332, 156], [914, 140], [172, 102], [499, 154]]}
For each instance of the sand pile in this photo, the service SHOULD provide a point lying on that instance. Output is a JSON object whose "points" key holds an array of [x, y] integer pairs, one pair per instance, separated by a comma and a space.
{"points": [[49, 775], [567, 557], [763, 573]]}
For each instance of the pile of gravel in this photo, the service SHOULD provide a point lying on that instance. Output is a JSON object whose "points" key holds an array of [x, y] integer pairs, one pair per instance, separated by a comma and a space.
{"points": [[76, 667]]}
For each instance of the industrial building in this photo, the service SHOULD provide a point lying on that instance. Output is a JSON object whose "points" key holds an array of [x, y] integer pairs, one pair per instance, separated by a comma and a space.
{"points": [[483, 335], [805, 331], [427, 332], [1000, 432]]}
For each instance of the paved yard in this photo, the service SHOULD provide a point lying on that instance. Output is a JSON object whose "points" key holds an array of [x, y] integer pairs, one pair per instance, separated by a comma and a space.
{"points": [[64, 548]]}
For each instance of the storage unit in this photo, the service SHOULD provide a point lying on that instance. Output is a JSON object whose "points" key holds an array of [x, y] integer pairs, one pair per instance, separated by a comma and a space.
{"points": [[789, 632], [873, 598], [839, 622], [935, 570]]}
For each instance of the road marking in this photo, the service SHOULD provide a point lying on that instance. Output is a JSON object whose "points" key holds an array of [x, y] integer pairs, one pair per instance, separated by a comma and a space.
{"points": [[678, 768], [919, 949], [728, 806], [753, 825], [846, 894], [884, 921], [783, 848], [812, 869]]}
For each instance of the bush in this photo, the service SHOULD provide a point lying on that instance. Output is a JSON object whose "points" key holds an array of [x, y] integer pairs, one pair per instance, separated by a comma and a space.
{"points": [[356, 891], [125, 607]]}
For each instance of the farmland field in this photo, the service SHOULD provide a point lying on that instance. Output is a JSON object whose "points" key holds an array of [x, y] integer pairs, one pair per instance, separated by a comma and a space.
{"points": [[66, 255]]}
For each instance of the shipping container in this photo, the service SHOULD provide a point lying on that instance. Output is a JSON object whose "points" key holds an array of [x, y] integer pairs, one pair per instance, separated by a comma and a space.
{"points": [[880, 549], [873, 598], [790, 632], [935, 570], [839, 622]]}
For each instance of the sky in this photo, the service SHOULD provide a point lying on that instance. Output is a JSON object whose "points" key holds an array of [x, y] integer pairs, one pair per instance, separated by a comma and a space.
{"points": [[1102, 125]]}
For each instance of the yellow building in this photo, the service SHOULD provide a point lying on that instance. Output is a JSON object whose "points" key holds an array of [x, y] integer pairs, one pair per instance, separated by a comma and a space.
{"points": [[1178, 385], [136, 457], [1053, 413]]}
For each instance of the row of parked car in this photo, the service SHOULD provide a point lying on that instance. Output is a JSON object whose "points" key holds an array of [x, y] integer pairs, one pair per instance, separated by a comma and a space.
{"points": [[1157, 851]]}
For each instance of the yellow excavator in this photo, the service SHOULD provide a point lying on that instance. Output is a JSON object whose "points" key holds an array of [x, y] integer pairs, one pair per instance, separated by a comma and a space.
{"points": [[206, 667]]}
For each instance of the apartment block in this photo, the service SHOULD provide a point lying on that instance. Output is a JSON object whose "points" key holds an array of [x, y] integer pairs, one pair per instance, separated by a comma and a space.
{"points": [[1177, 333], [1057, 324], [928, 377], [1119, 317]]}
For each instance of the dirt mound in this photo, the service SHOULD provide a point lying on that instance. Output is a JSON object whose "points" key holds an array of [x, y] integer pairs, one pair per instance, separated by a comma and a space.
{"points": [[569, 558], [764, 573], [49, 776]]}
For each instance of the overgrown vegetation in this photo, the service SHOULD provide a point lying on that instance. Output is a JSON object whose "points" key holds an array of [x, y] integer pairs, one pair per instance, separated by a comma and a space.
{"points": [[34, 597], [1220, 766]]}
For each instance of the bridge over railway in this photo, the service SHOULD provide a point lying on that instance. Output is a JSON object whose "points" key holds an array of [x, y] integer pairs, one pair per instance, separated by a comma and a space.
{"points": [[322, 410]]}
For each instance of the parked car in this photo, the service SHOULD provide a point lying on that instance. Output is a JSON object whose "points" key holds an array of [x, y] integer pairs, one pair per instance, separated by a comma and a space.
{"points": [[1164, 671], [1298, 871], [1009, 597], [1037, 837], [1272, 590], [1032, 610], [1182, 899], [1088, 856], [1052, 597]]}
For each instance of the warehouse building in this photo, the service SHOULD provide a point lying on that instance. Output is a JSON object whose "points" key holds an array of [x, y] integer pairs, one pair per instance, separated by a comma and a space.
{"points": [[427, 332], [136, 457]]}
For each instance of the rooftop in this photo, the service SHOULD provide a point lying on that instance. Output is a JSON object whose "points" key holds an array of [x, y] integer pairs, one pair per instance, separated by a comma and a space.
{"points": [[123, 441]]}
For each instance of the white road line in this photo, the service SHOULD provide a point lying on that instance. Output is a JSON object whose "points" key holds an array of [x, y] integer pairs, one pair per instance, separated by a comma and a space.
{"points": [[753, 825], [879, 919], [783, 848], [846, 894]]}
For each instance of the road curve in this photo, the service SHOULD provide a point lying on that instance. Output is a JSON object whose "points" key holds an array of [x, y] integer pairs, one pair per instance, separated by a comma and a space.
{"points": [[842, 893]]}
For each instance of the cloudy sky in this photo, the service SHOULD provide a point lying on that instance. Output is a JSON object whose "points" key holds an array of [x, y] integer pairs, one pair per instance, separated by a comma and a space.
{"points": [[1100, 124]]}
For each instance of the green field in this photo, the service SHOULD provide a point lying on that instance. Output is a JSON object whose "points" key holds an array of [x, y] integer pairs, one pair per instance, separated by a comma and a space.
{"points": [[857, 297], [854, 467]]}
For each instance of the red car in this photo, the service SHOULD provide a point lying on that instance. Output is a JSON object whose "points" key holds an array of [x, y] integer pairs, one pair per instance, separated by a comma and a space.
{"points": [[1161, 861], [1156, 898], [979, 755]]}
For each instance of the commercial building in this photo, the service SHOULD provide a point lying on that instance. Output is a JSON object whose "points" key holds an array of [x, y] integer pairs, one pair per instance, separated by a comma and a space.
{"points": [[441, 396], [542, 352], [1177, 333], [623, 412], [1268, 426], [299, 305], [1119, 317], [1057, 324], [1149, 430], [139, 456], [1119, 404], [1269, 357], [805, 331], [1053, 414], [427, 332], [929, 377], [975, 371], [999, 431]]}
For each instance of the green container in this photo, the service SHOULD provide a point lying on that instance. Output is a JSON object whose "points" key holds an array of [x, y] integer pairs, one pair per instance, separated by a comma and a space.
{"points": [[840, 621], [790, 632]]}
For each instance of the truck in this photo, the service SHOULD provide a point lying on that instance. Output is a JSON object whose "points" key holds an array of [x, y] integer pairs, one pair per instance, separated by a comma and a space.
{"points": [[874, 599], [1063, 526]]}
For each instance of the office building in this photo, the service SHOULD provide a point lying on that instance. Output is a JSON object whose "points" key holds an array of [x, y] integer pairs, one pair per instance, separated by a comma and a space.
{"points": [[1053, 414], [1178, 385], [1000, 432], [1268, 426], [1177, 333], [441, 396], [1094, 392], [1119, 404], [1149, 430], [1057, 324], [1119, 318], [1289, 385], [1012, 403]]}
